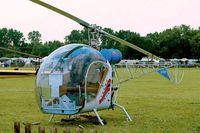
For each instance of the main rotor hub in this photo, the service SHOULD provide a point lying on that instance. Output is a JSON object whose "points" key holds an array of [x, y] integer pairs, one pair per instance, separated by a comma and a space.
{"points": [[94, 36]]}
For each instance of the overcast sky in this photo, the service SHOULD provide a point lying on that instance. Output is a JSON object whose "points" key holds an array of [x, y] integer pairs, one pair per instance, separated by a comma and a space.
{"points": [[142, 16]]}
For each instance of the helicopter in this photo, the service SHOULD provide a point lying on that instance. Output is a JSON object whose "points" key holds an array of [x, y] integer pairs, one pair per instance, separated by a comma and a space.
{"points": [[78, 78], [16, 73]]}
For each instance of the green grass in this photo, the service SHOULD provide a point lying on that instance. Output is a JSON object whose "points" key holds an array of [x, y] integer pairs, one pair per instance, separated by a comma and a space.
{"points": [[155, 104]]}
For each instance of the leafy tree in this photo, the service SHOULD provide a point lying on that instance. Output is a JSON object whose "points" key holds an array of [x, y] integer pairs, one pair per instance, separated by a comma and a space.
{"points": [[3, 40], [53, 45], [177, 42], [152, 43], [133, 38], [195, 43], [106, 42], [15, 38], [77, 36], [40, 50], [174, 43], [36, 44], [10, 38], [34, 37]]}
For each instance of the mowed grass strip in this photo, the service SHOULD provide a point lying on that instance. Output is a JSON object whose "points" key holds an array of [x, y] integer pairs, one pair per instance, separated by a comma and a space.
{"points": [[155, 104]]}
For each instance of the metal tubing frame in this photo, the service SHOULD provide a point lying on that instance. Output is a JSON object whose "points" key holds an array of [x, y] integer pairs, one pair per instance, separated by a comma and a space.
{"points": [[124, 110], [99, 118]]}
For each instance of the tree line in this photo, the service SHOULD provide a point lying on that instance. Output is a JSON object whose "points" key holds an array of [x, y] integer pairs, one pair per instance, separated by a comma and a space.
{"points": [[177, 42]]}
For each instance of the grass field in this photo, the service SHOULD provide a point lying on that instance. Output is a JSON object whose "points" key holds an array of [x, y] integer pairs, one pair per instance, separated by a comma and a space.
{"points": [[155, 104]]}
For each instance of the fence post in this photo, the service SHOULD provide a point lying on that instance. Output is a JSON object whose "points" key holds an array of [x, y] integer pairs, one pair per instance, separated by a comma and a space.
{"points": [[16, 127], [27, 128], [66, 130], [41, 129], [54, 130], [93, 131], [79, 130]]}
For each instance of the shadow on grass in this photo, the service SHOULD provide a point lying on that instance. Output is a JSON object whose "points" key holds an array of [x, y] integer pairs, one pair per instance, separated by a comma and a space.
{"points": [[79, 121]]}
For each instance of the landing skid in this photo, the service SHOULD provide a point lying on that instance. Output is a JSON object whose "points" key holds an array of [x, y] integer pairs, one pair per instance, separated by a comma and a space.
{"points": [[98, 117], [94, 119], [124, 110]]}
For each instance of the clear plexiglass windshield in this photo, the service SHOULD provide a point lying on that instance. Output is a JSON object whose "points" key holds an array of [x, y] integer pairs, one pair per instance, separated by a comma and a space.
{"points": [[65, 68]]}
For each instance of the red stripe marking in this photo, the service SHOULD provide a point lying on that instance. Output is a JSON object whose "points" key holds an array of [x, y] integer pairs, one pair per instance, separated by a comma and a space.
{"points": [[107, 89]]}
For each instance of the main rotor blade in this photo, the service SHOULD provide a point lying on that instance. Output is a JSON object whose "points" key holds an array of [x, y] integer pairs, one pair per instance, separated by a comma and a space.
{"points": [[81, 22], [130, 45], [85, 24], [18, 52]]}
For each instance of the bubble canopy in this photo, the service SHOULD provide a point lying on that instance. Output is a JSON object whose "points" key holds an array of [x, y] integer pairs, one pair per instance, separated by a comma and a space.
{"points": [[65, 68]]}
